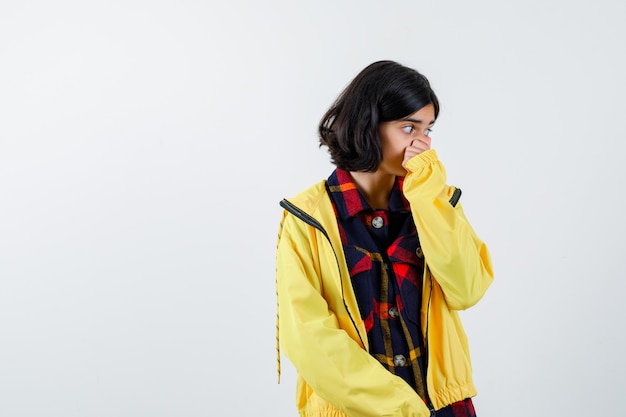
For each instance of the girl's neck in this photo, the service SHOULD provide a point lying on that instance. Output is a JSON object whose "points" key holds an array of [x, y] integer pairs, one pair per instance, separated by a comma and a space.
{"points": [[375, 187]]}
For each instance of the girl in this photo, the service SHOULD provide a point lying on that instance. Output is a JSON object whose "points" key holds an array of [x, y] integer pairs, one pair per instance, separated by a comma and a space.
{"points": [[374, 262]]}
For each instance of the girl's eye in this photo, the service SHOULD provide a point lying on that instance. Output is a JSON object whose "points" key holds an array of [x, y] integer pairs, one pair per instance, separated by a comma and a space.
{"points": [[408, 129], [427, 132]]}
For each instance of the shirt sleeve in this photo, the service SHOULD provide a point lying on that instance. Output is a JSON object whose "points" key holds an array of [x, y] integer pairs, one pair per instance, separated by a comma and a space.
{"points": [[459, 261], [334, 365]]}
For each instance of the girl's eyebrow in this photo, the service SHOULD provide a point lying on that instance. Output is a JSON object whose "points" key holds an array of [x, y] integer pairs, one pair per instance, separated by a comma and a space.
{"points": [[419, 122]]}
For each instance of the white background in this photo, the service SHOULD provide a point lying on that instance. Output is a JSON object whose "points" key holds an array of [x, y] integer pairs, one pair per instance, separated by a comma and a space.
{"points": [[144, 147]]}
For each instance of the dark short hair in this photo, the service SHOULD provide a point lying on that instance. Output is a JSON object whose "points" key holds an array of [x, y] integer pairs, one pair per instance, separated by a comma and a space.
{"points": [[381, 92]]}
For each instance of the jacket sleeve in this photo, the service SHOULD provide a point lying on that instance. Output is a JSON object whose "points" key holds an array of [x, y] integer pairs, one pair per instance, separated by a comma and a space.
{"points": [[335, 366], [458, 259]]}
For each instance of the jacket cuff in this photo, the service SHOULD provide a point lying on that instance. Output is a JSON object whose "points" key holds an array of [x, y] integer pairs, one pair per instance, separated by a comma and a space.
{"points": [[421, 160]]}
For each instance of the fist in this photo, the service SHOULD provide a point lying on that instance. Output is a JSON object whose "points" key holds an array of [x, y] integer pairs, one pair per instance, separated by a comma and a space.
{"points": [[416, 147]]}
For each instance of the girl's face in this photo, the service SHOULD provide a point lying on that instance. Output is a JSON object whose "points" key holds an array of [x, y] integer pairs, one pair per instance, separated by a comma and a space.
{"points": [[397, 135]]}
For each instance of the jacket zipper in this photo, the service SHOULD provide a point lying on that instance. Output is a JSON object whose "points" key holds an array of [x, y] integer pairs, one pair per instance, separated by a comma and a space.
{"points": [[430, 294], [308, 219]]}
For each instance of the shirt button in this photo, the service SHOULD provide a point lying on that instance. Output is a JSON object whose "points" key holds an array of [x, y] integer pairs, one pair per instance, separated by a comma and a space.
{"points": [[393, 312], [377, 222], [399, 360], [419, 252]]}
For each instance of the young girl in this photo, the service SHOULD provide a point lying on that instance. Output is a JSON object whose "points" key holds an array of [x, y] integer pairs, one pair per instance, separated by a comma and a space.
{"points": [[374, 262]]}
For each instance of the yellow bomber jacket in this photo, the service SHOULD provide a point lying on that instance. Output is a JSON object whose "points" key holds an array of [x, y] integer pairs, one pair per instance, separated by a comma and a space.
{"points": [[319, 328]]}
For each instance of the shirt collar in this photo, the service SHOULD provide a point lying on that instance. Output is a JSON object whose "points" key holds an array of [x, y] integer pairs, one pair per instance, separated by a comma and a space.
{"points": [[348, 200]]}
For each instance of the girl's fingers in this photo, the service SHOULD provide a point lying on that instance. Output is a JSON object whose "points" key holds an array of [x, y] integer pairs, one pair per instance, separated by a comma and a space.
{"points": [[409, 153], [422, 143]]}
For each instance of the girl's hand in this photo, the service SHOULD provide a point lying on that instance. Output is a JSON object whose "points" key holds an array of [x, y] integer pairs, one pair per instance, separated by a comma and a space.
{"points": [[416, 147]]}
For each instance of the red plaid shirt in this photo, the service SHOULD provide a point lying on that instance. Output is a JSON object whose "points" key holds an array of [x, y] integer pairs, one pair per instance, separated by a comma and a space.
{"points": [[386, 268]]}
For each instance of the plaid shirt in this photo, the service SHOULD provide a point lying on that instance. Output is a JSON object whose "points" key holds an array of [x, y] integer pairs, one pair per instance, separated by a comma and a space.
{"points": [[386, 268]]}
